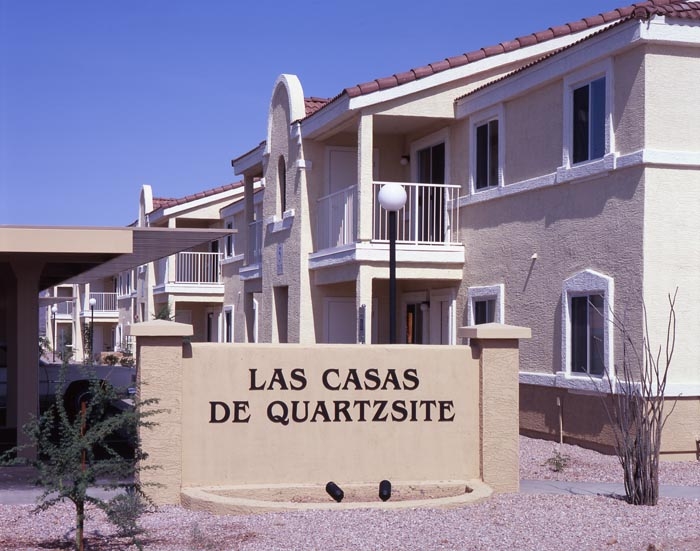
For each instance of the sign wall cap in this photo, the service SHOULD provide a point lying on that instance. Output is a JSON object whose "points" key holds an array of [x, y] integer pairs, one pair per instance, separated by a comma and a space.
{"points": [[494, 331]]}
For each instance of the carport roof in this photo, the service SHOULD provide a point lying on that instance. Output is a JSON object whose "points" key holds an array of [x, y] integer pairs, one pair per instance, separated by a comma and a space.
{"points": [[83, 254]]}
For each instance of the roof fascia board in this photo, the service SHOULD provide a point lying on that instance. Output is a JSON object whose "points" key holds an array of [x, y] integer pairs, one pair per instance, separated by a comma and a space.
{"points": [[471, 69], [586, 53], [333, 114], [671, 30], [251, 160], [202, 201], [239, 205]]}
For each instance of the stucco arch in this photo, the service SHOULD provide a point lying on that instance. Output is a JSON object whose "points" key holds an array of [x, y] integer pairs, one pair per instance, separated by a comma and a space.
{"points": [[291, 87]]}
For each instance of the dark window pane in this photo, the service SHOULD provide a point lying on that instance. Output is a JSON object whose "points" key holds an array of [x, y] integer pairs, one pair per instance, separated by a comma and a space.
{"points": [[482, 161], [424, 166], [484, 311], [580, 124], [579, 334], [437, 175], [597, 117], [493, 153], [596, 319]]}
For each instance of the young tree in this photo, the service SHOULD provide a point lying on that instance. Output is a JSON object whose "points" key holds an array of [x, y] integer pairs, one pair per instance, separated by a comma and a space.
{"points": [[78, 450], [637, 411]]}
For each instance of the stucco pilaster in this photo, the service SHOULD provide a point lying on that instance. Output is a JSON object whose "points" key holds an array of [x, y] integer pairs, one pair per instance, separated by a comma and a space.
{"points": [[365, 145], [363, 296]]}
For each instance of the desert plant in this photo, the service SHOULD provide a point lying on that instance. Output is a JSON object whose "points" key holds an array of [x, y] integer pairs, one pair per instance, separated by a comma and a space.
{"points": [[127, 361], [75, 452], [558, 461], [637, 405], [111, 359]]}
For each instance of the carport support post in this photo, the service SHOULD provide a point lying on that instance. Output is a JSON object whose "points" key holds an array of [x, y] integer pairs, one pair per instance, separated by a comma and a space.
{"points": [[159, 351], [496, 346]]}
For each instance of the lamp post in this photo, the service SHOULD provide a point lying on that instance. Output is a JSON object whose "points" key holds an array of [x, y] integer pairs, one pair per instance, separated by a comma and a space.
{"points": [[392, 197], [54, 309], [93, 301]]}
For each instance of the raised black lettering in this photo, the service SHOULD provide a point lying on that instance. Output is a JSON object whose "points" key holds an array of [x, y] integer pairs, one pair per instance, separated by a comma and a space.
{"points": [[392, 378], [253, 385], [445, 407], [298, 379], [362, 404], [277, 378], [326, 383], [322, 411], [379, 407], [399, 411], [427, 404], [372, 376], [410, 376], [240, 408], [414, 410], [295, 411], [282, 416], [341, 407], [223, 406], [354, 379]]}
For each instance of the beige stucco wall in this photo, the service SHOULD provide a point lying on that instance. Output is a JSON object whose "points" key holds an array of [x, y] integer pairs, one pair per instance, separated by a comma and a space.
{"points": [[672, 78], [672, 260], [315, 452], [628, 110], [594, 224]]}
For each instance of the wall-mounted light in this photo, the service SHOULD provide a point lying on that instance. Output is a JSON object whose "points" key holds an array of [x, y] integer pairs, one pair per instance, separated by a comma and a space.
{"points": [[405, 159], [384, 490], [534, 256]]}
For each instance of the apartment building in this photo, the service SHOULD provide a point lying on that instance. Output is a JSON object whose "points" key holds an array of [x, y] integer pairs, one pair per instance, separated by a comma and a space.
{"points": [[550, 183]]}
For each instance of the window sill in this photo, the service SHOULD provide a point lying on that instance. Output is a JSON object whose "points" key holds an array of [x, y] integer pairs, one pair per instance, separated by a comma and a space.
{"points": [[232, 259], [587, 169], [275, 225]]}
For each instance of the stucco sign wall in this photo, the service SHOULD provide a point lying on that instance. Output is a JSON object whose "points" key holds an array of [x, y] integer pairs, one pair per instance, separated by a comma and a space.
{"points": [[281, 414]]}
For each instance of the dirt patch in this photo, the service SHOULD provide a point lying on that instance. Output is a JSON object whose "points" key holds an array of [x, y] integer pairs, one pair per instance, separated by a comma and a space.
{"points": [[353, 494]]}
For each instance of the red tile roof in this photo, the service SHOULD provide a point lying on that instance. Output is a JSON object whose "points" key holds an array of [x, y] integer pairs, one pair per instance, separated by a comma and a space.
{"points": [[640, 10], [314, 104], [165, 202]]}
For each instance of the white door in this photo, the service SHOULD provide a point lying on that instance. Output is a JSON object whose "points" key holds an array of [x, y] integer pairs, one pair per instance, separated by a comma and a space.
{"points": [[341, 320]]}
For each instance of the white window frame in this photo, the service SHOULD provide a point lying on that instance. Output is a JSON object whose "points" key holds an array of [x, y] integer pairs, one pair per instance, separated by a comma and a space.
{"points": [[497, 113], [589, 282], [486, 292], [572, 82]]}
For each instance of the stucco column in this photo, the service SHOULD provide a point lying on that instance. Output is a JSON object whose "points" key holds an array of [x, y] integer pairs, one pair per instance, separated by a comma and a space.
{"points": [[27, 347], [496, 346], [365, 148], [159, 376]]}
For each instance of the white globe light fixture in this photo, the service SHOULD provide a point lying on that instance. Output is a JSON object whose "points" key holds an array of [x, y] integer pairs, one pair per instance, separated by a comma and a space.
{"points": [[392, 197]]}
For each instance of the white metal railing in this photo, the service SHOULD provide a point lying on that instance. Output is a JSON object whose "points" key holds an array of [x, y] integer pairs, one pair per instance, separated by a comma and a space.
{"points": [[336, 219], [64, 308], [197, 268], [430, 215], [104, 302], [255, 242]]}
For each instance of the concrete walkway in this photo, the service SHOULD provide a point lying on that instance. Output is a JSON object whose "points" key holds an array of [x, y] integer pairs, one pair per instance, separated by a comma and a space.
{"points": [[599, 488]]}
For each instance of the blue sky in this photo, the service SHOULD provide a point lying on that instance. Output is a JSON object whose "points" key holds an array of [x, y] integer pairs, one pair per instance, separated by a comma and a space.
{"points": [[98, 98]]}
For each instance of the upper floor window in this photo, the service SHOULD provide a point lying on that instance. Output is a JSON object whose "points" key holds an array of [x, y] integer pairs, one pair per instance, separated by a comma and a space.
{"points": [[282, 184], [588, 121], [487, 153], [587, 114], [486, 173], [229, 240]]}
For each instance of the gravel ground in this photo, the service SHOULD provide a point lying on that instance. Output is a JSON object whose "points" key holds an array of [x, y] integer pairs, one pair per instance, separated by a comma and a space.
{"points": [[509, 521]]}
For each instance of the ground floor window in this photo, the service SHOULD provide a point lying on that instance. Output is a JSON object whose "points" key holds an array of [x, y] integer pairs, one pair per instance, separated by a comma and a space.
{"points": [[485, 304], [587, 334], [587, 306]]}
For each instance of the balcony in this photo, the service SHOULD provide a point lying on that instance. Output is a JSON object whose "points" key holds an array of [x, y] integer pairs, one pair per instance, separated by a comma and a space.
{"points": [[253, 269], [197, 273], [105, 306], [427, 227], [64, 310]]}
